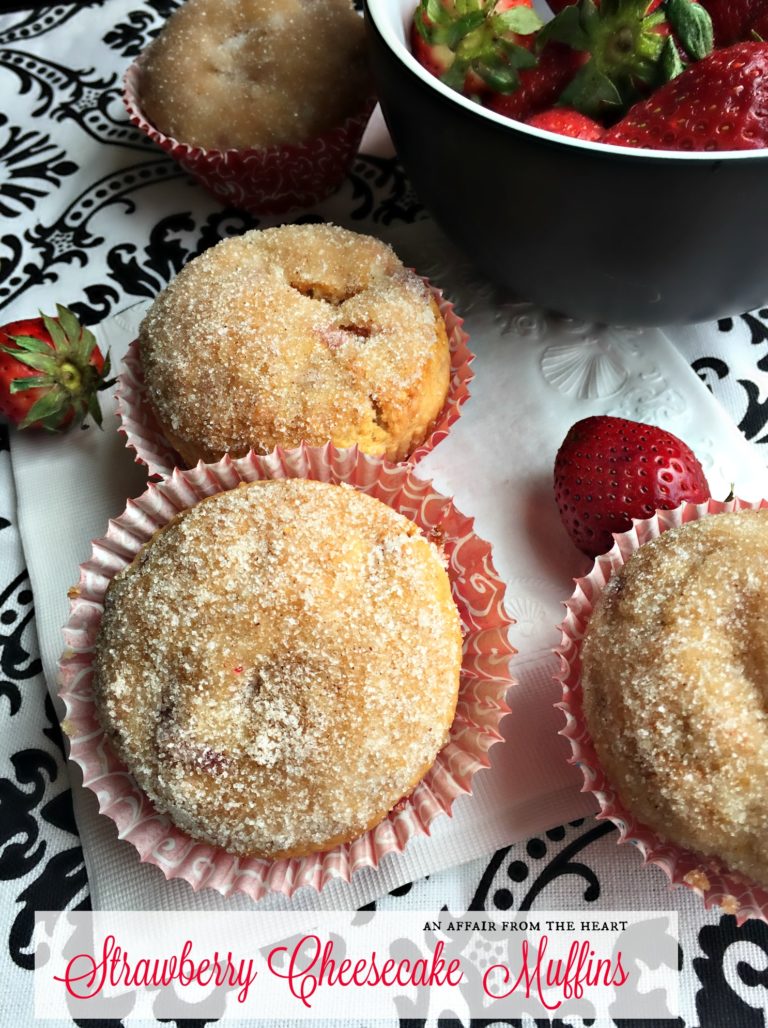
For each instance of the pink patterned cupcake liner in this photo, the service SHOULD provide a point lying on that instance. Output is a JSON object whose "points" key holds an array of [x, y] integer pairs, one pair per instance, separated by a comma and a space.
{"points": [[261, 180], [145, 437], [706, 875], [485, 678]]}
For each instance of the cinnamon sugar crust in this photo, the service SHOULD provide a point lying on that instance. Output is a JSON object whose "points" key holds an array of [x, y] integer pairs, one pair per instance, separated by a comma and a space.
{"points": [[227, 74], [279, 666], [675, 679], [299, 333]]}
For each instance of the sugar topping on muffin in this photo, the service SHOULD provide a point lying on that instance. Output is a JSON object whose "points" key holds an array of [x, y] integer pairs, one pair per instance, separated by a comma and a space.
{"points": [[675, 680], [300, 333], [280, 665], [253, 73]]}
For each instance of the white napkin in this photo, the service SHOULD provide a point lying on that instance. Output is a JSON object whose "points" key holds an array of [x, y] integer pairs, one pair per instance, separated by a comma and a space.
{"points": [[535, 376]]}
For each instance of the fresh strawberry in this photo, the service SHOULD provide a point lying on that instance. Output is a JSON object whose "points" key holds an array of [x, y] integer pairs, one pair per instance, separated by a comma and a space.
{"points": [[475, 45], [732, 20], [717, 104], [632, 47], [610, 470], [539, 88], [568, 123], [50, 372]]}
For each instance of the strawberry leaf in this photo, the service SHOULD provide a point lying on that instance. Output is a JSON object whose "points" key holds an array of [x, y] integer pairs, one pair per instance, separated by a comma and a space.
{"points": [[68, 322], [95, 410], [671, 62], [523, 21], [591, 92], [421, 26], [452, 34], [19, 385], [566, 27], [499, 76], [56, 332], [47, 407], [454, 75], [44, 362], [436, 13], [518, 56], [53, 423], [30, 343], [693, 27], [106, 369], [463, 7], [83, 348], [467, 24]]}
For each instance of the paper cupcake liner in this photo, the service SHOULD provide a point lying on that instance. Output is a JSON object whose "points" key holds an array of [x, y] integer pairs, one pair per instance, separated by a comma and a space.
{"points": [[706, 875], [261, 180], [485, 678], [144, 435]]}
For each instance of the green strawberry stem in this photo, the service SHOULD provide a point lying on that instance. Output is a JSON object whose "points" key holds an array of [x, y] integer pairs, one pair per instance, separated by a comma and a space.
{"points": [[632, 46], [481, 41], [70, 377], [692, 25]]}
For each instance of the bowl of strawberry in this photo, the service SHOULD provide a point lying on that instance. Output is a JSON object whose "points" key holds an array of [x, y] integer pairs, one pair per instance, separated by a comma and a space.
{"points": [[603, 158]]}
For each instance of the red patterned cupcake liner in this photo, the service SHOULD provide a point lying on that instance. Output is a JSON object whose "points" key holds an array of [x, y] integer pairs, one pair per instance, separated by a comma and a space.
{"points": [[145, 437], [706, 875], [261, 180], [485, 678]]}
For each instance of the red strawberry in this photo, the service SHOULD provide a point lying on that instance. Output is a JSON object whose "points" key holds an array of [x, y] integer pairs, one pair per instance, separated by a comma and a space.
{"points": [[475, 45], [631, 47], [540, 87], [610, 470], [50, 372], [717, 104], [732, 20], [568, 123]]}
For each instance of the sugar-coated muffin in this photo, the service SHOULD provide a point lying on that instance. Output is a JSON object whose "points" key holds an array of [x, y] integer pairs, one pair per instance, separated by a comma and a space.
{"points": [[675, 681], [228, 74], [300, 333], [279, 666]]}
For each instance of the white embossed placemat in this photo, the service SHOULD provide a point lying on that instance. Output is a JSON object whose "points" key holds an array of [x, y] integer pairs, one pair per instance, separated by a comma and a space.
{"points": [[535, 375]]}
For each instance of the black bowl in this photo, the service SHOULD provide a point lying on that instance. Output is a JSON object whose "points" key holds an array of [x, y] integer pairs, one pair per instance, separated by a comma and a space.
{"points": [[604, 233]]}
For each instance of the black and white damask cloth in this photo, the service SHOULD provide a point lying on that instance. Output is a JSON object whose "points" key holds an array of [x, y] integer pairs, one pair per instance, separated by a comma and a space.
{"points": [[95, 217]]}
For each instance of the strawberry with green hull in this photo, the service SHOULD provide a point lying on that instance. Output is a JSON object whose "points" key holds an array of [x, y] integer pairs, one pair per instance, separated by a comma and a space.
{"points": [[610, 470], [630, 48], [717, 104], [540, 87], [568, 123], [51, 371], [475, 46]]}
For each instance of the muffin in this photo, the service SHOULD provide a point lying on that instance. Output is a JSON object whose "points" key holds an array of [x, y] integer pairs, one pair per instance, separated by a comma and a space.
{"points": [[674, 673], [227, 74], [301, 333], [279, 666], [264, 102]]}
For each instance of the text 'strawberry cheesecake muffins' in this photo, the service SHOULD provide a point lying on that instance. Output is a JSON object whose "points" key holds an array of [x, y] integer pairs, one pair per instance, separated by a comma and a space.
{"points": [[229, 74], [279, 666], [304, 333], [674, 673]]}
